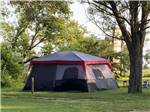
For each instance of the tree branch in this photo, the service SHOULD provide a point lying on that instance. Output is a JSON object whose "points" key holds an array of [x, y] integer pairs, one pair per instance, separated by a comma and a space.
{"points": [[19, 32], [146, 27], [107, 12], [134, 16], [33, 39], [144, 16], [101, 9], [28, 60], [148, 20], [144, 20], [40, 41], [105, 32], [94, 21], [104, 4], [121, 24]]}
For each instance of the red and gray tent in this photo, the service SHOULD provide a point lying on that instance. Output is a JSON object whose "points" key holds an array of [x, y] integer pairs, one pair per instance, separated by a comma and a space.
{"points": [[70, 70]]}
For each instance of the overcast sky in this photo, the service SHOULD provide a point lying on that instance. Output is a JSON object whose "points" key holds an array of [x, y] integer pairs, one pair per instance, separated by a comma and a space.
{"points": [[80, 15]]}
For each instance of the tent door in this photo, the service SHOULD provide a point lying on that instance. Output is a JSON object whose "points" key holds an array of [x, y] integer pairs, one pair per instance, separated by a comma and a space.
{"points": [[70, 78]]}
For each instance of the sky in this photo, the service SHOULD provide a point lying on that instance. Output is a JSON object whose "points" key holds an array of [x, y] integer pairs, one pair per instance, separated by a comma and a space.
{"points": [[80, 15]]}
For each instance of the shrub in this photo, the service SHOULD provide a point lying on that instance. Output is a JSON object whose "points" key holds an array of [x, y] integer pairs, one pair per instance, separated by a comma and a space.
{"points": [[12, 73]]}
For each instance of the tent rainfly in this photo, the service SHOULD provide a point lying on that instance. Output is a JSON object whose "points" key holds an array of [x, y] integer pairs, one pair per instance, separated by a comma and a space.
{"points": [[70, 70]]}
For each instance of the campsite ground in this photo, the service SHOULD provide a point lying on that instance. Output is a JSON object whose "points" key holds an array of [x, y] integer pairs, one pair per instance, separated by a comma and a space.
{"points": [[14, 100]]}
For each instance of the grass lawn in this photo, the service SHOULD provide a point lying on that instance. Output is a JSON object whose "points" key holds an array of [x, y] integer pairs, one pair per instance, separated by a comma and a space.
{"points": [[118, 100]]}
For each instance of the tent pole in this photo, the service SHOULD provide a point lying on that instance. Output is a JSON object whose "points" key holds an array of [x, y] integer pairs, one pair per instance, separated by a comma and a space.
{"points": [[32, 85]]}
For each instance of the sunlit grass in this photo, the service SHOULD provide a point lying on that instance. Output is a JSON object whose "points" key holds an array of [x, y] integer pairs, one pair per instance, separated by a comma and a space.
{"points": [[14, 100]]}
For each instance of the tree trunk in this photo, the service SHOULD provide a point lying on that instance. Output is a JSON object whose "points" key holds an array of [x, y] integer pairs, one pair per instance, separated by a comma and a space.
{"points": [[135, 78]]}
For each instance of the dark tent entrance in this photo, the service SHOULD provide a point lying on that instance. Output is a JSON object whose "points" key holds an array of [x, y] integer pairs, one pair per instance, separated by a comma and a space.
{"points": [[70, 80], [61, 75], [71, 73]]}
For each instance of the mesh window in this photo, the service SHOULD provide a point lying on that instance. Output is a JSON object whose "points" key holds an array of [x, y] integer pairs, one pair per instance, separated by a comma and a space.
{"points": [[98, 74], [71, 73]]}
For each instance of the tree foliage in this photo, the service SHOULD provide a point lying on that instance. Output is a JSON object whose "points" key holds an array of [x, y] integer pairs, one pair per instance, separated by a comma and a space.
{"points": [[12, 71], [37, 22]]}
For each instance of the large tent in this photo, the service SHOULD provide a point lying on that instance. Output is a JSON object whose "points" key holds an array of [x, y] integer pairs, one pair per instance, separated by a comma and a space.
{"points": [[70, 70]]}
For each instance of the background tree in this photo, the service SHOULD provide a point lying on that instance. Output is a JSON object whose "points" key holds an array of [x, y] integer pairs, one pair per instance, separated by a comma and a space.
{"points": [[132, 17], [12, 73], [36, 22], [68, 36], [43, 23]]}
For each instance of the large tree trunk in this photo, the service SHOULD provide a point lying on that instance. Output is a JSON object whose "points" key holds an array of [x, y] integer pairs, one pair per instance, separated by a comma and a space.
{"points": [[135, 78]]}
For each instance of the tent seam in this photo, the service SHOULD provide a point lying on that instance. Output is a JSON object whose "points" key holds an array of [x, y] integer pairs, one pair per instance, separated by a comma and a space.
{"points": [[77, 55]]}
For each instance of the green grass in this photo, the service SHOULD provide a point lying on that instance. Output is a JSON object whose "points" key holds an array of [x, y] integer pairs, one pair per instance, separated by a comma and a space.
{"points": [[14, 100]]}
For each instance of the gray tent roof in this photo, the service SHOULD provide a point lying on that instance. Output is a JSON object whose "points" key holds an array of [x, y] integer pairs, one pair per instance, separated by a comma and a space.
{"points": [[69, 56]]}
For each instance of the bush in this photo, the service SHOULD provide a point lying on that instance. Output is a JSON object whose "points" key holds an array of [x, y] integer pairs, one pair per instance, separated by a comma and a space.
{"points": [[12, 73], [146, 72]]}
